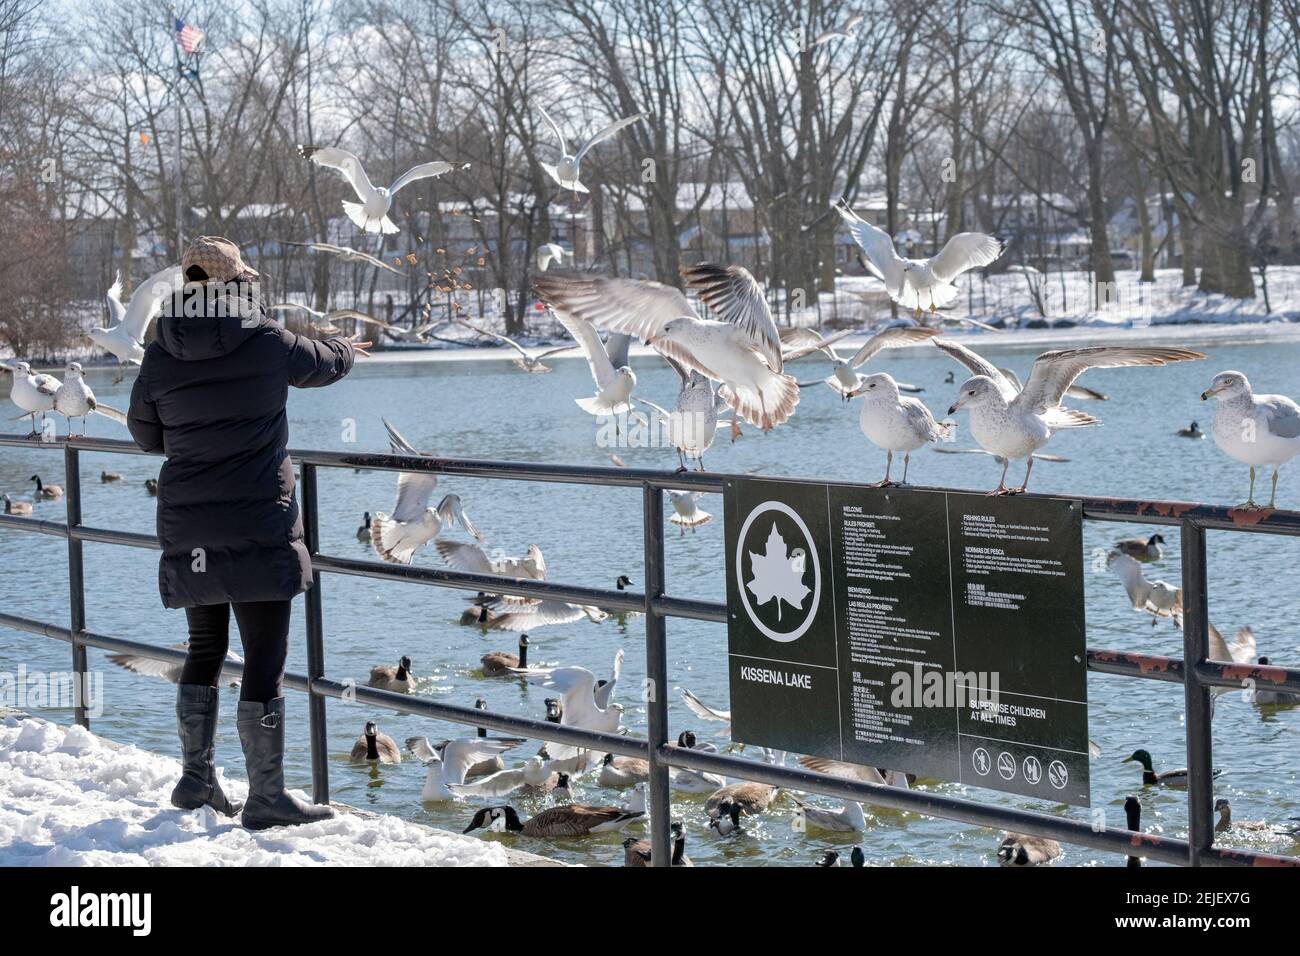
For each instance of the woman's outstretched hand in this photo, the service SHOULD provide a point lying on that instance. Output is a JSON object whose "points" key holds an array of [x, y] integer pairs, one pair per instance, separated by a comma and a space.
{"points": [[360, 348]]}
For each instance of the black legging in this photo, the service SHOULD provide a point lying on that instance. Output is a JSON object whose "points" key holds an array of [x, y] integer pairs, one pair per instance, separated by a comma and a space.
{"points": [[264, 632]]}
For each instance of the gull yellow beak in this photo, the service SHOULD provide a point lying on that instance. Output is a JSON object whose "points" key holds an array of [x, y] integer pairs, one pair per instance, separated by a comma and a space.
{"points": [[1207, 393]]}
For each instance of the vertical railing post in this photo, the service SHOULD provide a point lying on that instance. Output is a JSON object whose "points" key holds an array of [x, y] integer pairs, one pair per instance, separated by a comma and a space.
{"points": [[76, 582], [1196, 695], [320, 781], [656, 669]]}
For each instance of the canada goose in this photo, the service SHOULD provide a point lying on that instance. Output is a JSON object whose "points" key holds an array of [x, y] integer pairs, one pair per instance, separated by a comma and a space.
{"points": [[492, 764], [1168, 778], [151, 486], [561, 790], [857, 857], [638, 852], [752, 798], [46, 491], [726, 819], [503, 663], [16, 507], [622, 771], [570, 820], [107, 476], [849, 818], [449, 767], [695, 781], [363, 533], [1019, 849], [534, 775], [1224, 809], [373, 746], [1133, 816], [554, 713], [1274, 696], [1191, 431], [388, 677], [1142, 550]]}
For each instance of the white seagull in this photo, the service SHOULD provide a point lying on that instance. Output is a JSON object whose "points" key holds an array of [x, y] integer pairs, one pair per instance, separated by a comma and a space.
{"points": [[549, 252], [326, 321], [841, 32], [124, 336], [74, 399], [845, 382], [371, 214], [1254, 429], [1013, 423], [741, 349], [920, 283], [347, 254], [702, 710], [450, 768], [33, 393], [686, 510], [1152, 597], [613, 384], [566, 171], [693, 423], [169, 670], [535, 772], [894, 422], [578, 708], [526, 361], [413, 523]]}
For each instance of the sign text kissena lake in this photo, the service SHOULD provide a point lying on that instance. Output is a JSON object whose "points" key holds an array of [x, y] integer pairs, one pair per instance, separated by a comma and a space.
{"points": [[931, 632]]}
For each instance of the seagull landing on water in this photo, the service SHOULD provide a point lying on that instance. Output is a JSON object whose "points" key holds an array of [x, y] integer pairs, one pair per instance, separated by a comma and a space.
{"points": [[413, 524], [1254, 429], [895, 423], [74, 399], [34, 394], [920, 284], [566, 170], [371, 214], [124, 338], [1013, 423]]}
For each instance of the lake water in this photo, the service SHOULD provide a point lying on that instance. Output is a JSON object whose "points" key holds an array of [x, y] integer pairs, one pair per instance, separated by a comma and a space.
{"points": [[488, 409]]}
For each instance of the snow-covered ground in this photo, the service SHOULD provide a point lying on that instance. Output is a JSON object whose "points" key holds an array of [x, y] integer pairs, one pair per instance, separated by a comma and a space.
{"points": [[70, 798]]}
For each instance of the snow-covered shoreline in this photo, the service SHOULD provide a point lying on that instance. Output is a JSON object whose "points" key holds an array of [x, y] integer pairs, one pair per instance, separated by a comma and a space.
{"points": [[70, 798]]}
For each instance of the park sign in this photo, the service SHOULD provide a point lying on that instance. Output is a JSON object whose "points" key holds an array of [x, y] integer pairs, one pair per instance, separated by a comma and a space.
{"points": [[932, 632]]}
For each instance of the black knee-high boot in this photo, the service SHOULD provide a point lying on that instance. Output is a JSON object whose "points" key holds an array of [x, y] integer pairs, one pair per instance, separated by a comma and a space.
{"points": [[261, 732], [196, 723]]}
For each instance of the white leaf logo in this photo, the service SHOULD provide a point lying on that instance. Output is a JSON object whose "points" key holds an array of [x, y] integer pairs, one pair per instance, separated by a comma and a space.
{"points": [[778, 574]]}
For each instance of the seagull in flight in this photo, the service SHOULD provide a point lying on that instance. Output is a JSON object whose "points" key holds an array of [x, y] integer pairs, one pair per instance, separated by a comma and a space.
{"points": [[327, 321], [843, 380], [842, 32], [613, 385], [371, 214], [1014, 423], [124, 336], [919, 284], [527, 361], [549, 252], [566, 171], [347, 254], [740, 348]]}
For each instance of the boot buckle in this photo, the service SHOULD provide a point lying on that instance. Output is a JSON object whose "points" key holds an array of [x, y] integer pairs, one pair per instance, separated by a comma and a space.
{"points": [[269, 721]]}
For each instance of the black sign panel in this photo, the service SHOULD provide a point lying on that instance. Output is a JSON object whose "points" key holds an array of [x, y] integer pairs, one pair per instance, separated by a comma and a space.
{"points": [[931, 632]]}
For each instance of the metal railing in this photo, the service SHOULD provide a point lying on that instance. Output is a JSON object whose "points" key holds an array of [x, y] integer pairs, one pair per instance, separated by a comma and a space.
{"points": [[1195, 671]]}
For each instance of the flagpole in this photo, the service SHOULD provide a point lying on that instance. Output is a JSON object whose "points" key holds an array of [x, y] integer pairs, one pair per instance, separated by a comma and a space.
{"points": [[176, 95]]}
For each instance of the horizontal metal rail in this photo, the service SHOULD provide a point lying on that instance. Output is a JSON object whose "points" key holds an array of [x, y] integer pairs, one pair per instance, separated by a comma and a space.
{"points": [[1203, 674]]}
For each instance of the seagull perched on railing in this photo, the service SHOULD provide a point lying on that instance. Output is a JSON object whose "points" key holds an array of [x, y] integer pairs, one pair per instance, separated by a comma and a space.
{"points": [[413, 523], [1014, 423], [1253, 429], [74, 399], [33, 393], [124, 337], [371, 214], [693, 423]]}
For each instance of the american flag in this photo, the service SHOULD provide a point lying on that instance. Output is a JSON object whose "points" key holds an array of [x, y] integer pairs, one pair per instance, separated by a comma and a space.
{"points": [[188, 37]]}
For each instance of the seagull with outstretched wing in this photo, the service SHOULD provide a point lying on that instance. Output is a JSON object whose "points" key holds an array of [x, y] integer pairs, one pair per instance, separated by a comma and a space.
{"points": [[371, 214], [566, 169]]}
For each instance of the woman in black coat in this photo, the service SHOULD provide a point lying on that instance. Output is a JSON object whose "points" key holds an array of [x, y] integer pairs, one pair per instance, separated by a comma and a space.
{"points": [[211, 396]]}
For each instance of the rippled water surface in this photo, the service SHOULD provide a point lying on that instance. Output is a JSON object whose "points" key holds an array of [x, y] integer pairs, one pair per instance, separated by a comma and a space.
{"points": [[488, 409]]}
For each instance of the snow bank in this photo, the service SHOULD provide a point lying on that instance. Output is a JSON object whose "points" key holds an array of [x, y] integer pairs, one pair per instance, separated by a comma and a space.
{"points": [[69, 798]]}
